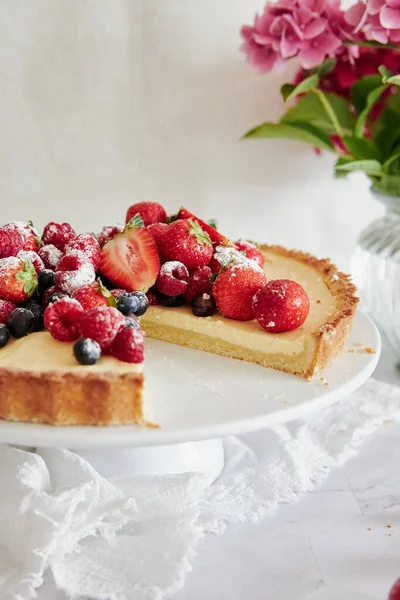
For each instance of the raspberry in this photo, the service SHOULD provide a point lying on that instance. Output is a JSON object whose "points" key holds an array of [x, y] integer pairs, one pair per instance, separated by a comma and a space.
{"points": [[151, 212], [152, 298], [235, 287], [157, 230], [29, 255], [62, 319], [74, 270], [17, 236], [129, 346], [102, 324], [251, 251], [6, 308], [107, 233], [173, 278], [281, 305], [50, 256], [117, 293], [199, 284], [88, 244], [58, 234]]}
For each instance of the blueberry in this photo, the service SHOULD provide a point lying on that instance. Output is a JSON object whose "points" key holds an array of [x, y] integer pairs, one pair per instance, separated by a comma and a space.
{"points": [[203, 306], [37, 311], [134, 303], [170, 301], [46, 280], [56, 296], [87, 351], [4, 335], [131, 322], [21, 322]]}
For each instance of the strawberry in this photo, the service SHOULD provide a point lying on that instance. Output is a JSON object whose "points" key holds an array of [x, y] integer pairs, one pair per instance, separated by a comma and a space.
{"points": [[18, 279], [186, 242], [281, 305], [199, 283], [32, 257], [251, 251], [157, 230], [131, 260], [217, 238], [235, 287], [17, 236], [150, 212], [395, 591], [152, 298], [93, 295]]}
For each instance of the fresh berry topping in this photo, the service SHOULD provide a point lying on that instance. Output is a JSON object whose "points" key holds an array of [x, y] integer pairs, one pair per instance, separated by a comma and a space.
{"points": [[46, 280], [54, 296], [186, 242], [199, 283], [58, 234], [50, 256], [170, 301], [281, 305], [152, 298], [17, 236], [157, 230], [18, 279], [21, 322], [395, 591], [132, 322], [131, 260], [133, 303], [107, 233], [4, 335], [216, 237], [33, 257], [88, 244], [62, 319], [87, 351], [129, 346], [251, 251], [151, 212], [173, 278], [102, 325], [235, 287], [37, 311], [74, 270], [117, 292], [93, 295], [6, 308], [203, 306]]}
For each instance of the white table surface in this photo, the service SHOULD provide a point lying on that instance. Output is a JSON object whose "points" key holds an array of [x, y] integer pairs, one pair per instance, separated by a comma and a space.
{"points": [[339, 542]]}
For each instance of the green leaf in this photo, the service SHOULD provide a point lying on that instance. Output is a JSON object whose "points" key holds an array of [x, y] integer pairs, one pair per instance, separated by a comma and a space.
{"points": [[386, 74], [213, 223], [370, 167], [392, 164], [301, 132], [360, 90], [372, 99], [326, 67], [199, 233], [135, 223], [388, 184], [304, 86], [309, 109], [107, 294], [286, 90], [395, 80], [341, 161], [361, 148], [172, 218]]}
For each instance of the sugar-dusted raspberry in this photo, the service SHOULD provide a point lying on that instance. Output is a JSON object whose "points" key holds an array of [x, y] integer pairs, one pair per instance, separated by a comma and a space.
{"points": [[6, 308], [58, 234], [32, 257], [128, 345], [152, 298], [199, 284], [157, 230], [88, 244], [17, 236], [108, 232], [173, 278], [50, 256], [62, 319], [117, 292], [102, 325], [74, 270]]}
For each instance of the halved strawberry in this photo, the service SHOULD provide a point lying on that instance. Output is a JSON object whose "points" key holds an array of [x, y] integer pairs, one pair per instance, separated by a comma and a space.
{"points": [[130, 260], [216, 237]]}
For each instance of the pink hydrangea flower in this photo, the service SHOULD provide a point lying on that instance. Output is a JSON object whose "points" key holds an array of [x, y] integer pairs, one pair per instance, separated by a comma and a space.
{"points": [[291, 28], [377, 20]]}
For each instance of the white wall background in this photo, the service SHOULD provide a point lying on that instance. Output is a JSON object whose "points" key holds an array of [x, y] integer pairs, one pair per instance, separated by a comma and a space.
{"points": [[107, 102]]}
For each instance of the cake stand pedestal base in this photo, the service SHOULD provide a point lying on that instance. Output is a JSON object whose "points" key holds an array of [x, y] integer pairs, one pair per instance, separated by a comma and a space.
{"points": [[205, 457]]}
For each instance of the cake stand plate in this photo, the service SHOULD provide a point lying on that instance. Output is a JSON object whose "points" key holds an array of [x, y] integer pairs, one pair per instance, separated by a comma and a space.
{"points": [[194, 396]]}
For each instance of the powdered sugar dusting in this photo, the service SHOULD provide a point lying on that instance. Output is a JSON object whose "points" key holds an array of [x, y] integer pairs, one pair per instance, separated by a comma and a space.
{"points": [[9, 263], [50, 256], [227, 256], [169, 267]]}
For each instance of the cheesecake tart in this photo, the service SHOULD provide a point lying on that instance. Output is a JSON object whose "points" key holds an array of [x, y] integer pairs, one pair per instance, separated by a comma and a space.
{"points": [[74, 310]]}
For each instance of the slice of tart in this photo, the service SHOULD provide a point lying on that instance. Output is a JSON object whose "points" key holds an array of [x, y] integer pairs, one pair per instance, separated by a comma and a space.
{"points": [[186, 282]]}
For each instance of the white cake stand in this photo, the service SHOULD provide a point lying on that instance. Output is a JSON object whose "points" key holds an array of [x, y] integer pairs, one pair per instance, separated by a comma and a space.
{"points": [[199, 398]]}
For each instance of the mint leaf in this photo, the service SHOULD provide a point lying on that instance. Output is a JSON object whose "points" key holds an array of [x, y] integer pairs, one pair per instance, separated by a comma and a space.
{"points": [[135, 223], [106, 293], [371, 167], [298, 131], [304, 86], [361, 148]]}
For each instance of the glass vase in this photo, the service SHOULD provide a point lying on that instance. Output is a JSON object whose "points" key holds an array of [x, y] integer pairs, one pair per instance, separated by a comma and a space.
{"points": [[376, 271]]}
